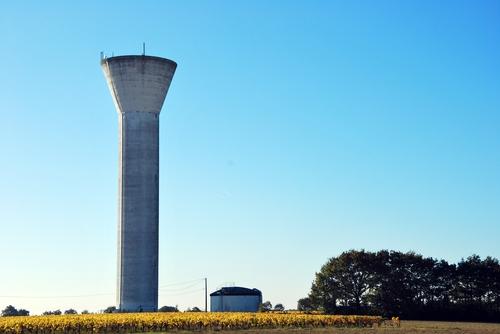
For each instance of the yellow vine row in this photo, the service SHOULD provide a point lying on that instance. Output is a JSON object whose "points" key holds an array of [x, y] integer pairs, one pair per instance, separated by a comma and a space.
{"points": [[162, 322]]}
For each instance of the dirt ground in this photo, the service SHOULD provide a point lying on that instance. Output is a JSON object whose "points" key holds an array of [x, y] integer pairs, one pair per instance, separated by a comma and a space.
{"points": [[407, 327]]}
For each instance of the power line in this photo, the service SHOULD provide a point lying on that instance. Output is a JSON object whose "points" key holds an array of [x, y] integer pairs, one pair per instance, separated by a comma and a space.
{"points": [[182, 288], [48, 297], [182, 293], [182, 283]]}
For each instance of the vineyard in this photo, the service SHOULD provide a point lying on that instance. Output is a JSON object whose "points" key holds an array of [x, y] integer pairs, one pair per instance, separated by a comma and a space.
{"points": [[164, 322]]}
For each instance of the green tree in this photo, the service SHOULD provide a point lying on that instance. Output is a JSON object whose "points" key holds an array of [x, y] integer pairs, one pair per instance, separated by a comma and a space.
{"points": [[392, 283], [110, 309], [168, 309], [441, 289], [10, 311], [405, 283], [265, 306], [194, 309], [305, 305], [23, 312], [473, 280], [324, 291], [347, 280], [70, 311], [279, 307]]}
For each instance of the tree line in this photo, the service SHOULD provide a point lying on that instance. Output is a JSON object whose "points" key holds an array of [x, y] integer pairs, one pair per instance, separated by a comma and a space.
{"points": [[11, 311], [407, 285]]}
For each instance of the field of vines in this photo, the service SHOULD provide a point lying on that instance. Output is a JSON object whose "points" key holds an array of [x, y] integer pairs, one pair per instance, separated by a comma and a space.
{"points": [[165, 322]]}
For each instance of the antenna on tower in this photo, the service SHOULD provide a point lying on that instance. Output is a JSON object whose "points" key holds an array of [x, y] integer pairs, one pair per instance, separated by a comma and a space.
{"points": [[143, 48]]}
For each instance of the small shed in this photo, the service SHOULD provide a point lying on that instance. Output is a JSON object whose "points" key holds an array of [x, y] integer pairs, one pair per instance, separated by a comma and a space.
{"points": [[235, 299]]}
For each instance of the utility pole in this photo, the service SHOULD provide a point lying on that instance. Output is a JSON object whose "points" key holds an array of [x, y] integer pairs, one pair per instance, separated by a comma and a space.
{"points": [[206, 293]]}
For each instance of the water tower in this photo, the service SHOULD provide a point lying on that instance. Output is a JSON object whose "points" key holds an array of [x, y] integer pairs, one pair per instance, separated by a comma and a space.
{"points": [[138, 85]]}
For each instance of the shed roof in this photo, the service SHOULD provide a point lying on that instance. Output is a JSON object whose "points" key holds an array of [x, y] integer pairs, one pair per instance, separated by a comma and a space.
{"points": [[236, 291]]}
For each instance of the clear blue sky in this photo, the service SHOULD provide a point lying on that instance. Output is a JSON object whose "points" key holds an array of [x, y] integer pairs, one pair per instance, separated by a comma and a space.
{"points": [[292, 131]]}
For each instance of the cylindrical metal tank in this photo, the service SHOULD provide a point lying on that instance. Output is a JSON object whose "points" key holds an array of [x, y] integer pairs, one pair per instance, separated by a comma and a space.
{"points": [[235, 299], [138, 85]]}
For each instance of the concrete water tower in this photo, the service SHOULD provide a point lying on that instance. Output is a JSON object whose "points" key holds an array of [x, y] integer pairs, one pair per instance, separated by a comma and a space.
{"points": [[138, 85]]}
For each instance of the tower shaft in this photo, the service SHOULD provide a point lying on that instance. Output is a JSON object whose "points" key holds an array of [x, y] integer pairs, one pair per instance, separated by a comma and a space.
{"points": [[138, 211]]}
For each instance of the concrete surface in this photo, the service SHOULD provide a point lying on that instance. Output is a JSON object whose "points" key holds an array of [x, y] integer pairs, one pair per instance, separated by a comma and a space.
{"points": [[138, 85]]}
